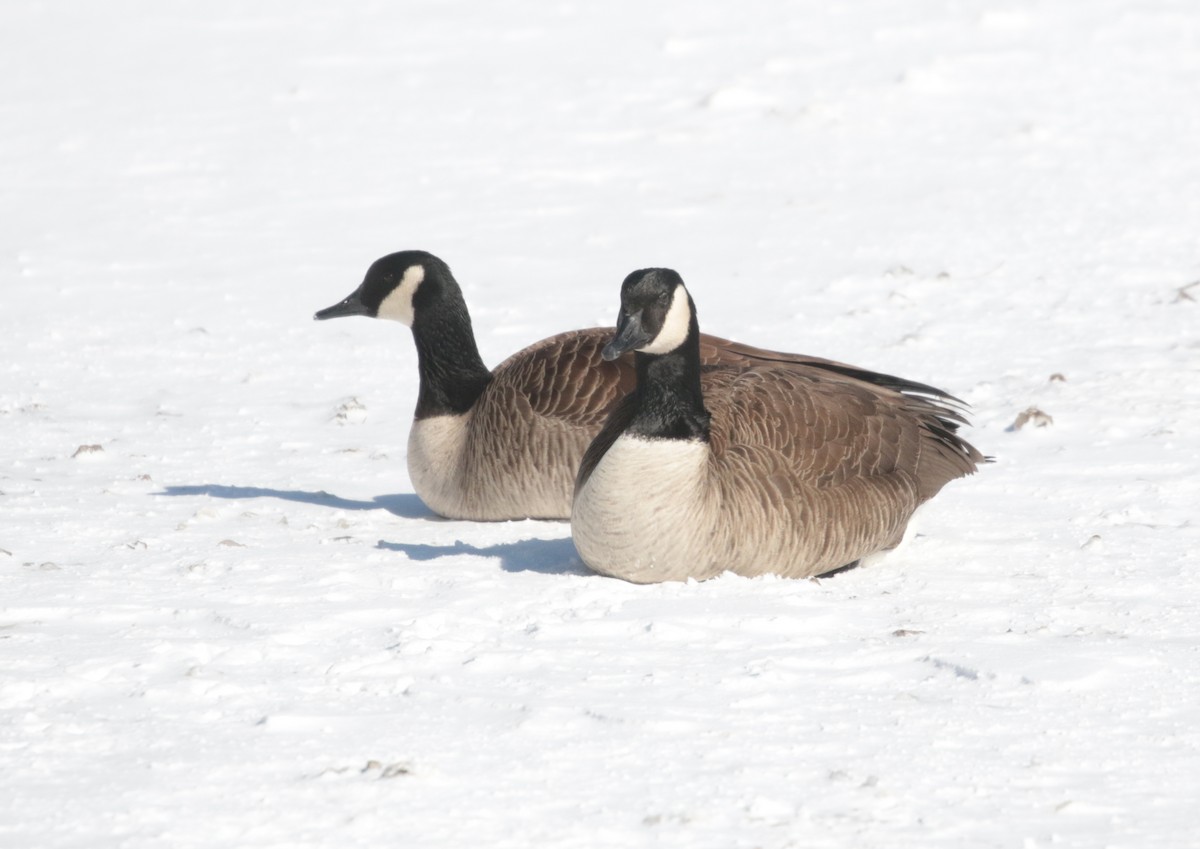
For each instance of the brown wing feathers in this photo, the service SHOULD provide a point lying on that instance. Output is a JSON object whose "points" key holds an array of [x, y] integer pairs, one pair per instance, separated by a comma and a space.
{"points": [[889, 403], [565, 378]]}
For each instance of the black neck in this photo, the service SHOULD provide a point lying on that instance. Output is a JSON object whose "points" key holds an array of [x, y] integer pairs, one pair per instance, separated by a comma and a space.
{"points": [[669, 403], [453, 375]]}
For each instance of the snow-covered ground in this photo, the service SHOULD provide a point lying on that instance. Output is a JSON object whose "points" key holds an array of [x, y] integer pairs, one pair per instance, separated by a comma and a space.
{"points": [[226, 621]]}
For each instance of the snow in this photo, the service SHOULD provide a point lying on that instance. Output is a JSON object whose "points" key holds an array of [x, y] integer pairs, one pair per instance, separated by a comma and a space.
{"points": [[225, 620]]}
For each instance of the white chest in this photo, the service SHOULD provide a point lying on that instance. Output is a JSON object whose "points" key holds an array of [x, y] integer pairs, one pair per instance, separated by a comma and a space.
{"points": [[636, 517], [435, 460]]}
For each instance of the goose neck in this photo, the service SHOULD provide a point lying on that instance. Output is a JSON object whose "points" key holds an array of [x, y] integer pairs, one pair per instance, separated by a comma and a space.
{"points": [[452, 373], [670, 403]]}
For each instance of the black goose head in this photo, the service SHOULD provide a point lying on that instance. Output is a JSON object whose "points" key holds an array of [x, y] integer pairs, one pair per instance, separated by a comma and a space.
{"points": [[417, 289], [396, 287], [657, 314]]}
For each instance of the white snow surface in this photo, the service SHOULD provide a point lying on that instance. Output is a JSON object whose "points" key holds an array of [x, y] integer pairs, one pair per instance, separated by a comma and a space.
{"points": [[225, 620]]}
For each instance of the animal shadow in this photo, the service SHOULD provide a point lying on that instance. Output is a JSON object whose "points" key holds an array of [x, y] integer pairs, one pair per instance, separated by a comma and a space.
{"points": [[405, 505], [544, 556]]}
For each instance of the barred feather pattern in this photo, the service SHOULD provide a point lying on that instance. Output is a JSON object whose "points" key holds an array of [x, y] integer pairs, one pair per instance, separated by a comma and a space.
{"points": [[810, 465], [516, 452]]}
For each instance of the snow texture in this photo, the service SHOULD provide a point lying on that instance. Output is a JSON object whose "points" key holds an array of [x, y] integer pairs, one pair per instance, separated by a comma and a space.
{"points": [[225, 620]]}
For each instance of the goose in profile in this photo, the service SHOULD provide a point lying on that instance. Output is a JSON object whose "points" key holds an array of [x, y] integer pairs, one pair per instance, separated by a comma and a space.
{"points": [[489, 444], [766, 463]]}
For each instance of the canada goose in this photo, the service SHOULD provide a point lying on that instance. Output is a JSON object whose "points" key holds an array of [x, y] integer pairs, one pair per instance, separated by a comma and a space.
{"points": [[775, 464], [489, 445]]}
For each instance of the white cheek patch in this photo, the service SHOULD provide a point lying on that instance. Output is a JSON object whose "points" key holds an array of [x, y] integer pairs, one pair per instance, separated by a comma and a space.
{"points": [[398, 305], [675, 325]]}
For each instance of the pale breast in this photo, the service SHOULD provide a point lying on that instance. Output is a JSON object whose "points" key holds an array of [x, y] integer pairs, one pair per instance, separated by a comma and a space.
{"points": [[435, 462], [638, 515], [492, 464]]}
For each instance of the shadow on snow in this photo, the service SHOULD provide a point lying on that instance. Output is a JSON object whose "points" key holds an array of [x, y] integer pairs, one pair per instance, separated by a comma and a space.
{"points": [[545, 556], [405, 505]]}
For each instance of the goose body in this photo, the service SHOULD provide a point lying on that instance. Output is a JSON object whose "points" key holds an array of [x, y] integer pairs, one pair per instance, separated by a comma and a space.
{"points": [[760, 463], [515, 452]]}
